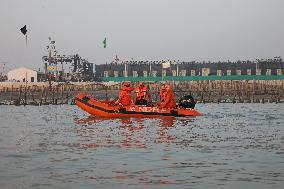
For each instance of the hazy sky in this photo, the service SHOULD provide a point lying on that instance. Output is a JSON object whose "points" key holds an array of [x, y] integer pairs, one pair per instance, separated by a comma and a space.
{"points": [[142, 29]]}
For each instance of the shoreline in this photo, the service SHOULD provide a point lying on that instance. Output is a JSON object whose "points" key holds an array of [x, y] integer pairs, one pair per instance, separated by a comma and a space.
{"points": [[42, 93]]}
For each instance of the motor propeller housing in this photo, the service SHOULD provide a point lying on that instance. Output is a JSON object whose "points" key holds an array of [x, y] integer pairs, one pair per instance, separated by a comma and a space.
{"points": [[186, 102]]}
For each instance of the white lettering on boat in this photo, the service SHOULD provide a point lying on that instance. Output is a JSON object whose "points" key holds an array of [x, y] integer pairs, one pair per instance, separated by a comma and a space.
{"points": [[132, 109], [147, 109]]}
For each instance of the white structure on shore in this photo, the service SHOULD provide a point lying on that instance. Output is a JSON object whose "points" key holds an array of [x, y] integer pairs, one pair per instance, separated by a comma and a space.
{"points": [[22, 75]]}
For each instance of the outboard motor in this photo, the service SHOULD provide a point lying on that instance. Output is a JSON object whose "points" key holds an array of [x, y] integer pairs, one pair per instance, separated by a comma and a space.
{"points": [[186, 102]]}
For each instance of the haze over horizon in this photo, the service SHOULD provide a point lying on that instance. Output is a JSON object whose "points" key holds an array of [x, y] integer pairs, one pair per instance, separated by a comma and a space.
{"points": [[202, 30]]}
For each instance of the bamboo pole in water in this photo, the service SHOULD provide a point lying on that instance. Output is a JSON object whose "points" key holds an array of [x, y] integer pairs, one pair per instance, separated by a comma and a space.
{"points": [[67, 94], [11, 96], [53, 100], [62, 87], [33, 90], [20, 95], [208, 91]]}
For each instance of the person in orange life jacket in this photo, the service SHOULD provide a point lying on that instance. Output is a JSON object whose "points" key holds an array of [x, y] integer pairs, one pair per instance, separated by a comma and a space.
{"points": [[124, 94], [162, 92], [168, 100], [141, 94]]}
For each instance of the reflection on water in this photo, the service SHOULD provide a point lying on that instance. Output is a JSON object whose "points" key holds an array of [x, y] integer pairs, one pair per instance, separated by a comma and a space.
{"points": [[128, 133], [231, 146]]}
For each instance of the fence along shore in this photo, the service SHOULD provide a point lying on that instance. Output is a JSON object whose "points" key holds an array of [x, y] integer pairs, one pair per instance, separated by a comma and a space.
{"points": [[219, 91]]}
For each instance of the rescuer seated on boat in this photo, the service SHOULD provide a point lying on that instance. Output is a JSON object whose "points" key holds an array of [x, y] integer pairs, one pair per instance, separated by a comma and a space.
{"points": [[167, 97], [142, 95], [162, 94], [124, 98]]}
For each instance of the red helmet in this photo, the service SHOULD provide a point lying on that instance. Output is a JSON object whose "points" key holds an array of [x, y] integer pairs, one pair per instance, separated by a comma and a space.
{"points": [[141, 84], [168, 87], [126, 84]]}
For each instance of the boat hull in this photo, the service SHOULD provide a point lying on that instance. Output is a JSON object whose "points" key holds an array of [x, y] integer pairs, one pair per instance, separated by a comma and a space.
{"points": [[104, 109]]}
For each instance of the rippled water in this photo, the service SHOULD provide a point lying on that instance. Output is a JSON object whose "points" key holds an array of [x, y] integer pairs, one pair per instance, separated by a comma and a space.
{"points": [[231, 146]]}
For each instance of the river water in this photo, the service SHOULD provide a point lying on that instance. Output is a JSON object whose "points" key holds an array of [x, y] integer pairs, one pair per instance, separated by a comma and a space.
{"points": [[231, 146]]}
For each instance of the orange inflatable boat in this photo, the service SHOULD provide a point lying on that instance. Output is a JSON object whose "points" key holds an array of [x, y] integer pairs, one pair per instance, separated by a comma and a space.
{"points": [[105, 109]]}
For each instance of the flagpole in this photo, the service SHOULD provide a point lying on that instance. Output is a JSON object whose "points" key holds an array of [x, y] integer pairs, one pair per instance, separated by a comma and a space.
{"points": [[26, 40], [24, 32]]}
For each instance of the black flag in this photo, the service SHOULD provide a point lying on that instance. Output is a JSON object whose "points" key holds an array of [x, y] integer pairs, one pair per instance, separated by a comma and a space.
{"points": [[24, 30]]}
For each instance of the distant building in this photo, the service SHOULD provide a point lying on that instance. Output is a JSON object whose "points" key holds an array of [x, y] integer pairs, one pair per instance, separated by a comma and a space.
{"points": [[265, 67], [23, 75]]}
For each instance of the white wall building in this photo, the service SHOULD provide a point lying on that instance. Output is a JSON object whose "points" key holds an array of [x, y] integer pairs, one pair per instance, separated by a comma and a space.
{"points": [[22, 74]]}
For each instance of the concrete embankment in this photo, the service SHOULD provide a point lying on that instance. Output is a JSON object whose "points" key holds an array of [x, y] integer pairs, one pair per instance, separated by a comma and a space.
{"points": [[203, 91]]}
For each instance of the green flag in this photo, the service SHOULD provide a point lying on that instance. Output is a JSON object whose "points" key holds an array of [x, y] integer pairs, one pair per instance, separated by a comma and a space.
{"points": [[105, 42]]}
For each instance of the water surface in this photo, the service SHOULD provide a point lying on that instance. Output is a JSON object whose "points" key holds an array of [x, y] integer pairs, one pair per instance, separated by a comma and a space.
{"points": [[231, 146]]}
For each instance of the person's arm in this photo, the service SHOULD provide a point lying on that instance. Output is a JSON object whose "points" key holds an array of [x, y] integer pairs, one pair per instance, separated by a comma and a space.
{"points": [[119, 98], [167, 100]]}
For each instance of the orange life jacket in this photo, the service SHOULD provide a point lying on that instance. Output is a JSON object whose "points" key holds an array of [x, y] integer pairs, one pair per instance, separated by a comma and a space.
{"points": [[162, 95], [125, 96], [140, 93], [168, 100]]}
